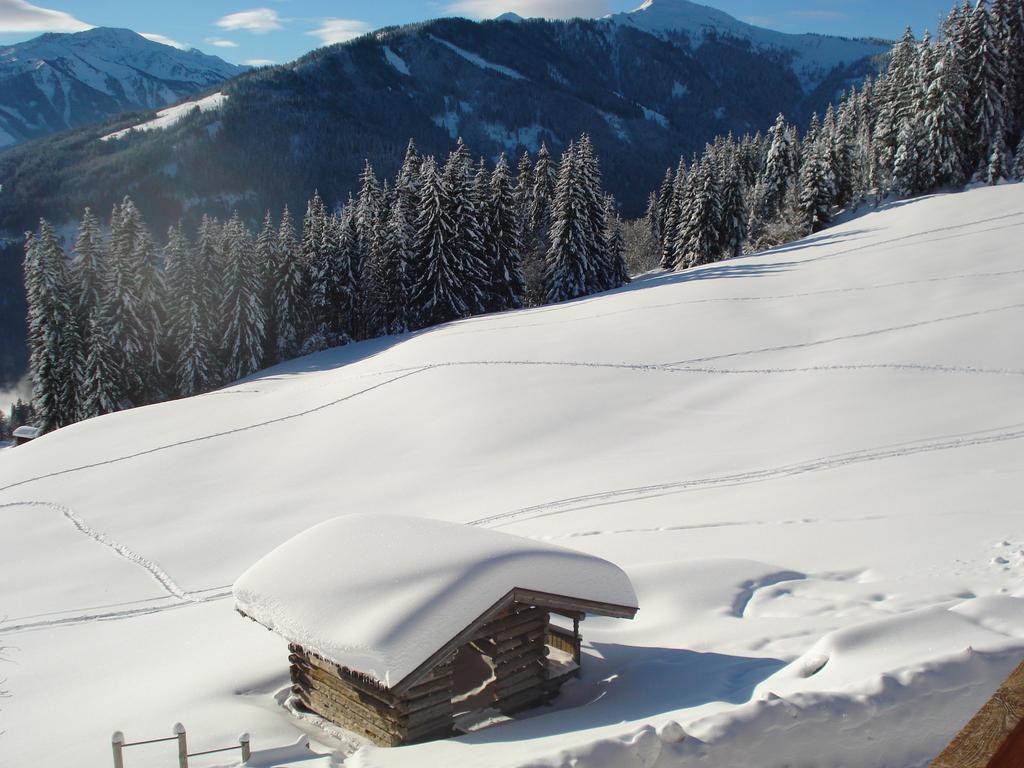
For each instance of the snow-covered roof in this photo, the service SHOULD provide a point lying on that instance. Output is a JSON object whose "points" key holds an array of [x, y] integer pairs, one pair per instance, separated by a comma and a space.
{"points": [[381, 593], [25, 432]]}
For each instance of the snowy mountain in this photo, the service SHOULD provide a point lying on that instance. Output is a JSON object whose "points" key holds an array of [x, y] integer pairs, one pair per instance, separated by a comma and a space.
{"points": [[503, 86], [59, 81], [808, 461], [810, 56]]}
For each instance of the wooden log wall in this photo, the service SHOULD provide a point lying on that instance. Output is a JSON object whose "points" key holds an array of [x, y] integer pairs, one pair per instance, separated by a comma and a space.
{"points": [[520, 651], [361, 705]]}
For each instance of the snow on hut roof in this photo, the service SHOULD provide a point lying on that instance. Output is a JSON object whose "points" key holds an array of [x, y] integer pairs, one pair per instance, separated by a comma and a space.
{"points": [[380, 593], [26, 432]]}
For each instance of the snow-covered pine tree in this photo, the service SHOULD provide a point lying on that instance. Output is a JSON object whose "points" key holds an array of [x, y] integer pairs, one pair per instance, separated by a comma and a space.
{"points": [[911, 166], [1000, 162], [193, 353], [986, 75], [779, 168], [1011, 14], [134, 309], [291, 292], [817, 189], [944, 122], [652, 224], [507, 288], [88, 269], [98, 392], [369, 207], [543, 193], [437, 291], [1018, 161], [387, 279], [616, 244], [664, 205], [673, 219], [699, 234], [568, 255], [601, 270], [268, 262], [470, 272], [734, 210], [326, 281], [242, 342], [54, 342]]}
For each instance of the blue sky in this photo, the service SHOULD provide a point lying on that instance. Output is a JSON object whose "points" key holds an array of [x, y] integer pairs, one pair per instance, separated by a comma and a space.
{"points": [[275, 31]]}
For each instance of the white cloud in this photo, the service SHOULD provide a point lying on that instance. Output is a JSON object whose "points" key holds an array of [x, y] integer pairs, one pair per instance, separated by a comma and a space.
{"points": [[333, 31], [220, 42], [20, 16], [163, 40], [258, 20], [548, 9], [259, 62]]}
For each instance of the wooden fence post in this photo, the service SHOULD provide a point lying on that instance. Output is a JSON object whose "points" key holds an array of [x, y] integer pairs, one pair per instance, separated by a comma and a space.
{"points": [[179, 731], [243, 741], [117, 742]]}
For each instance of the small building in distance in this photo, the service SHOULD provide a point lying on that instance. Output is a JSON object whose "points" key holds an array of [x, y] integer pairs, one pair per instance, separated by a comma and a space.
{"points": [[25, 434], [400, 626]]}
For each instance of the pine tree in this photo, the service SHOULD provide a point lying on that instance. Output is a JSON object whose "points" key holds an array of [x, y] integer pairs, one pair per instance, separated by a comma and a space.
{"points": [[734, 211], [673, 219], [543, 192], [88, 270], [986, 75], [504, 242], [291, 292], [944, 122], [619, 275], [193, 350], [569, 253], [99, 393], [242, 343], [470, 272], [133, 309], [817, 191], [54, 343], [1018, 161], [699, 235], [999, 161], [780, 166], [437, 286], [388, 279], [601, 270]]}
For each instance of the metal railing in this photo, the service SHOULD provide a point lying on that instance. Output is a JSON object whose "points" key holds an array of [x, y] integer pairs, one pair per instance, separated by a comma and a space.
{"points": [[118, 744]]}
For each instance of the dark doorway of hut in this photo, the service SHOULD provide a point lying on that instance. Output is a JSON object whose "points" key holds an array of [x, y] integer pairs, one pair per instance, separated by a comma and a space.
{"points": [[495, 676]]}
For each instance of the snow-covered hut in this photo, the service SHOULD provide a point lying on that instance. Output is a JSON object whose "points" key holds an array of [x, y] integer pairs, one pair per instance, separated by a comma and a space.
{"points": [[398, 625], [24, 434]]}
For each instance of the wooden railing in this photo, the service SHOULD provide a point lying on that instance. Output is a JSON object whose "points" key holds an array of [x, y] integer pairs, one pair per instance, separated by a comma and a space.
{"points": [[118, 743], [994, 737]]}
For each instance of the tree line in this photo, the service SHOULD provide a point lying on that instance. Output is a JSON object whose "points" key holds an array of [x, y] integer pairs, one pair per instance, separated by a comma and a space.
{"points": [[942, 114], [122, 321]]}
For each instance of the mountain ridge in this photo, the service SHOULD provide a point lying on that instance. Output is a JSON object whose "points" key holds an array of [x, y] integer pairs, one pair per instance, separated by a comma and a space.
{"points": [[58, 81]]}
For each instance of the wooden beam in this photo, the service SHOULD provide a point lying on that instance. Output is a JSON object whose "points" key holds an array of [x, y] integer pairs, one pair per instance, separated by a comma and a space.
{"points": [[994, 737], [561, 603]]}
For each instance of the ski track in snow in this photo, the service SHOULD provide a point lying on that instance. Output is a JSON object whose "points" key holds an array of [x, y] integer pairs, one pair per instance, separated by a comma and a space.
{"points": [[683, 366], [154, 570], [847, 337], [574, 503]]}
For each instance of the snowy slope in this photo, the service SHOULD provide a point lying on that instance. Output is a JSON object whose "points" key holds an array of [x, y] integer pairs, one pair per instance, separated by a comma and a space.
{"points": [[808, 462], [165, 118], [57, 81], [812, 56]]}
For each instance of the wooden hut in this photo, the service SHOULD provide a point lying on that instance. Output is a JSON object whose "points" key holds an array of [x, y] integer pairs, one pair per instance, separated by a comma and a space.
{"points": [[398, 627], [25, 434]]}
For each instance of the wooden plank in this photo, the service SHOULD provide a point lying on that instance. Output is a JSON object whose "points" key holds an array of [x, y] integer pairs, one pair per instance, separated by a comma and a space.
{"points": [[414, 705], [428, 714], [507, 691], [322, 681], [509, 626], [994, 737], [362, 682], [527, 656], [532, 670], [355, 708], [430, 687], [327, 709], [562, 603], [520, 701]]}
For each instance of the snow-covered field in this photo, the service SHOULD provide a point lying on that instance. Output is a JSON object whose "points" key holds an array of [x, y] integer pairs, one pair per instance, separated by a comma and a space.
{"points": [[165, 118], [808, 461]]}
